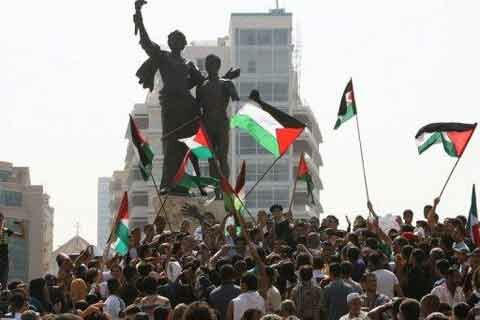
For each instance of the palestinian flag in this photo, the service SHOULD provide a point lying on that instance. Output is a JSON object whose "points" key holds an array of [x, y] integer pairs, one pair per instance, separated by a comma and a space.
{"points": [[145, 152], [240, 189], [271, 128], [199, 144], [184, 179], [453, 136], [348, 107], [303, 174], [473, 223], [121, 227], [229, 195]]}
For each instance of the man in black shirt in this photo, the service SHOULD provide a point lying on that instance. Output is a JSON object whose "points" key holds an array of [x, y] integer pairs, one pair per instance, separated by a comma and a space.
{"points": [[5, 234]]}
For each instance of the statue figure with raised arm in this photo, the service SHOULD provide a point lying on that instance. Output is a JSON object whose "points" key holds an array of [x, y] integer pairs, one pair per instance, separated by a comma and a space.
{"points": [[179, 108]]}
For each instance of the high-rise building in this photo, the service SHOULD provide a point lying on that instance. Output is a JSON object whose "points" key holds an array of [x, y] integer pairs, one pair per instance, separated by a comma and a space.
{"points": [[104, 217], [261, 45], [22, 201]]}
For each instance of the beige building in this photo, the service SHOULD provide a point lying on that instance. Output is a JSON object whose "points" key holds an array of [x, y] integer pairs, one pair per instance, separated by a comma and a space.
{"points": [[20, 200]]}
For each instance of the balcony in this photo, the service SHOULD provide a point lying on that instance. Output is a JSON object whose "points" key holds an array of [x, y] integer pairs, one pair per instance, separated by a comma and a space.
{"points": [[305, 145], [305, 114]]}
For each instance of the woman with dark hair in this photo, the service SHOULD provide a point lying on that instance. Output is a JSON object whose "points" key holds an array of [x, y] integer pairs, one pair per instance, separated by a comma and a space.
{"points": [[39, 297]]}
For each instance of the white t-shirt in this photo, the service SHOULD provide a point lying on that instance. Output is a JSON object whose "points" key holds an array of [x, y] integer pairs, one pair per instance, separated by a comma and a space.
{"points": [[274, 300], [362, 316], [246, 301], [386, 280], [113, 305]]}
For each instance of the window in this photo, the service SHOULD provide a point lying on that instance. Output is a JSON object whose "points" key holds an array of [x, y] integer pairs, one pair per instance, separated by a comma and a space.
{"points": [[246, 144], [246, 88], [247, 37], [264, 37], [245, 57], [141, 120], [252, 66], [280, 91], [11, 198], [280, 37], [264, 60], [281, 60], [266, 90], [140, 199], [4, 175]]}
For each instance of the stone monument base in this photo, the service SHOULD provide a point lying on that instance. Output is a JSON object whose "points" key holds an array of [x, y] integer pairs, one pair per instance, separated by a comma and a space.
{"points": [[174, 205]]}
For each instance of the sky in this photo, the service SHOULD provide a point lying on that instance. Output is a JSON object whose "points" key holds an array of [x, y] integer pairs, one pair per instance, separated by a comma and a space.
{"points": [[67, 79]]}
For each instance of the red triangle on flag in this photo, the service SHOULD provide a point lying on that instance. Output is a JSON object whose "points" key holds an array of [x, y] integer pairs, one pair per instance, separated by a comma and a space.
{"points": [[460, 140], [123, 210], [202, 137], [286, 136], [302, 167]]}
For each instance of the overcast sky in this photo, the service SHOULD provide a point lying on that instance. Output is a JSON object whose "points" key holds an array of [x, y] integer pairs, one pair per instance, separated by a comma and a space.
{"points": [[67, 84]]}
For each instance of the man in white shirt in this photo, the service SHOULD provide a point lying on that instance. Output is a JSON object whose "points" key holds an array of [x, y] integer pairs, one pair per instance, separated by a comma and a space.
{"points": [[450, 291], [249, 299], [387, 281], [114, 305], [274, 298]]}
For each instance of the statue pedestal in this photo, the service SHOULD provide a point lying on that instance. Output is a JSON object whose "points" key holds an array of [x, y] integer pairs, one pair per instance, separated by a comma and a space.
{"points": [[174, 209]]}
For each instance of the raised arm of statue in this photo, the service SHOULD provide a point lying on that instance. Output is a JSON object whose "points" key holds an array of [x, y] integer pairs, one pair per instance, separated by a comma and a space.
{"points": [[151, 48]]}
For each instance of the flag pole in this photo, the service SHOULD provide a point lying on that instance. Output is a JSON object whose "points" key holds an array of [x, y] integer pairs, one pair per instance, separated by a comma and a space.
{"points": [[163, 203], [456, 163], [219, 170], [263, 175], [363, 158], [295, 186]]}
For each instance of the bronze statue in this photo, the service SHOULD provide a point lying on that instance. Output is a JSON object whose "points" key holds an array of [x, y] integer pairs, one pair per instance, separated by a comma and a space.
{"points": [[213, 97], [179, 108]]}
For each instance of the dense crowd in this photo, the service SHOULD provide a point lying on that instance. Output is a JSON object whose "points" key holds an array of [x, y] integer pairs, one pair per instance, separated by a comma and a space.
{"points": [[276, 267]]}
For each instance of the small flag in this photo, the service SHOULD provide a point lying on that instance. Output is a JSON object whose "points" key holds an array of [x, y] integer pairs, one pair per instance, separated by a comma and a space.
{"points": [[348, 107], [199, 144], [453, 136], [273, 129], [303, 174], [473, 223], [240, 189], [145, 152], [228, 195], [184, 179], [121, 227]]}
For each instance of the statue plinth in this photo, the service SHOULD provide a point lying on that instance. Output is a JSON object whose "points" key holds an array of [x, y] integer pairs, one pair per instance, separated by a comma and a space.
{"points": [[174, 205]]}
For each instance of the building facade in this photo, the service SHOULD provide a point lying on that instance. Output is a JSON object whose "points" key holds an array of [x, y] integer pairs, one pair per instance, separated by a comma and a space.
{"points": [[22, 201], [104, 217], [261, 45]]}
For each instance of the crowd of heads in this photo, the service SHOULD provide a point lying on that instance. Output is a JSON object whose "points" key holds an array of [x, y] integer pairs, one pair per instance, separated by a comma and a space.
{"points": [[276, 267]]}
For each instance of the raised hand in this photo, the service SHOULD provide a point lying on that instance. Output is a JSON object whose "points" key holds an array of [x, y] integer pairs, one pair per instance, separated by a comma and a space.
{"points": [[232, 74], [139, 4]]}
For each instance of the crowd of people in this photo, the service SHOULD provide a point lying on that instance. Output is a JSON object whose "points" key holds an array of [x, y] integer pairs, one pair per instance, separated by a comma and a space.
{"points": [[276, 267]]}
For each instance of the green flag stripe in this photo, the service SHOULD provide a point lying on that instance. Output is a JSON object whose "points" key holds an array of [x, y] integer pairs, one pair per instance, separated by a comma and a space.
{"points": [[448, 146], [262, 136], [351, 112], [202, 153], [430, 141]]}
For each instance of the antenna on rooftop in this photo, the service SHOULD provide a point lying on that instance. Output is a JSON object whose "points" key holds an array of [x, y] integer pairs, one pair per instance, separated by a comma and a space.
{"points": [[77, 228]]}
